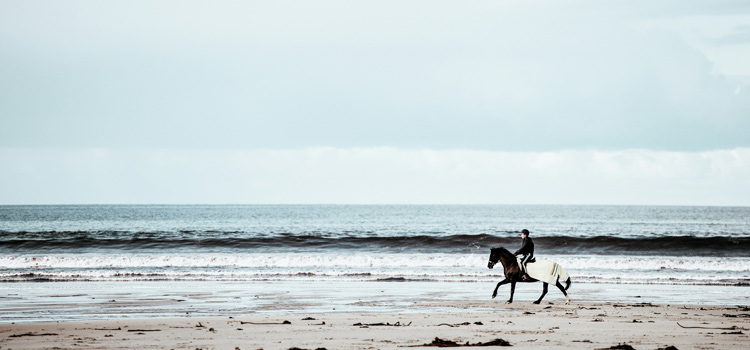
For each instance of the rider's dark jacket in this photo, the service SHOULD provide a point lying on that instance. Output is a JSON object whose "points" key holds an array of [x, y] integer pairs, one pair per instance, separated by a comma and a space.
{"points": [[527, 247]]}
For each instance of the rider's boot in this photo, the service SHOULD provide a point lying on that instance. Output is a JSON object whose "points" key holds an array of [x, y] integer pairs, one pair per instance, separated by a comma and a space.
{"points": [[524, 276]]}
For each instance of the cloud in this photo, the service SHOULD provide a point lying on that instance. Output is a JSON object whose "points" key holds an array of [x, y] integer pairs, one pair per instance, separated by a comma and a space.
{"points": [[510, 76], [740, 37], [374, 176]]}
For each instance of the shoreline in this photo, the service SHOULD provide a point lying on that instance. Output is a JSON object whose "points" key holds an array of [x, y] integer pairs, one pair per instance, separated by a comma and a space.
{"points": [[550, 325]]}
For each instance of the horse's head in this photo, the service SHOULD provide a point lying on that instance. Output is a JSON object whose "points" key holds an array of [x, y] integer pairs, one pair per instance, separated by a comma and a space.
{"points": [[501, 255], [494, 257]]}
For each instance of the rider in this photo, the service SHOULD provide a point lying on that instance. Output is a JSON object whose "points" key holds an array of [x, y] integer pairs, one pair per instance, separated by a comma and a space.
{"points": [[527, 249]]}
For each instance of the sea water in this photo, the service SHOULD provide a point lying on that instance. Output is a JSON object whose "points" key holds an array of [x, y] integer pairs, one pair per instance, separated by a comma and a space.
{"points": [[73, 262]]}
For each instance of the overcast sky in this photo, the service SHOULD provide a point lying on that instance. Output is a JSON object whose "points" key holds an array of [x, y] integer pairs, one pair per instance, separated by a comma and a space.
{"points": [[540, 102]]}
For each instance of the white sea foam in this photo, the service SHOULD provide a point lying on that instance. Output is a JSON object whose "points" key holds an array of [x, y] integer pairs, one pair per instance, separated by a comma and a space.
{"points": [[445, 267], [364, 260]]}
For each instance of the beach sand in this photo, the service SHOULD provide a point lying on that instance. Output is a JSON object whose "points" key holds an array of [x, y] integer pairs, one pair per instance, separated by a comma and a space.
{"points": [[581, 325]]}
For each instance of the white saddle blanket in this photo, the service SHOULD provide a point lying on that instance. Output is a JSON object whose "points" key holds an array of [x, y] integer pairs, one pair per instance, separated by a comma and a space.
{"points": [[546, 271]]}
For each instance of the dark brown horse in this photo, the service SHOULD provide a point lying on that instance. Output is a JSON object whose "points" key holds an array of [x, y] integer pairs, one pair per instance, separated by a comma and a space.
{"points": [[513, 274]]}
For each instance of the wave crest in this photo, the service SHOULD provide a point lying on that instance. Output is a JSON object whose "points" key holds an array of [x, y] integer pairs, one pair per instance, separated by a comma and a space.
{"points": [[464, 243]]}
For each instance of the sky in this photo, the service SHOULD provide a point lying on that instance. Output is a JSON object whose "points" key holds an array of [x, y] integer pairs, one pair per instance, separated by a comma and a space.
{"points": [[375, 102]]}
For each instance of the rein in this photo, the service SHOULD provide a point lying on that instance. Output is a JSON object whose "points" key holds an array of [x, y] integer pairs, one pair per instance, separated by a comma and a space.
{"points": [[501, 255]]}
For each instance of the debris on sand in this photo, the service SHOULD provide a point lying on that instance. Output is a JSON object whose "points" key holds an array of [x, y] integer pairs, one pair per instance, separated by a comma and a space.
{"points": [[365, 325], [461, 324], [31, 334], [264, 323], [622, 346], [441, 343], [719, 328]]}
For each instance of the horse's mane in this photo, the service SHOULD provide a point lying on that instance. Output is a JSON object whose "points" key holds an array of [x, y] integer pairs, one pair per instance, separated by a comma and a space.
{"points": [[503, 251]]}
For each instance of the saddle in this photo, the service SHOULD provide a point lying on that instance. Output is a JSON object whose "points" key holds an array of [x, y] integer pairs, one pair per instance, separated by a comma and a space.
{"points": [[526, 276]]}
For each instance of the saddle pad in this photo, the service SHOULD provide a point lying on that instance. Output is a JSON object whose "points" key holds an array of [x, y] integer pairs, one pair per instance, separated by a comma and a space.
{"points": [[545, 271]]}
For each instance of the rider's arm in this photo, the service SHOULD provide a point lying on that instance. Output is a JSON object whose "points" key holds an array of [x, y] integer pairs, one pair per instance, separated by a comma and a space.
{"points": [[523, 248]]}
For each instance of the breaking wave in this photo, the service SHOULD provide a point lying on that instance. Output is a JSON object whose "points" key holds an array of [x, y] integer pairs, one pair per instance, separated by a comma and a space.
{"points": [[466, 243]]}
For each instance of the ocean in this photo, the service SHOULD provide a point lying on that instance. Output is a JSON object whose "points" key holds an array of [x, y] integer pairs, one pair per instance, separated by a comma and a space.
{"points": [[63, 262]]}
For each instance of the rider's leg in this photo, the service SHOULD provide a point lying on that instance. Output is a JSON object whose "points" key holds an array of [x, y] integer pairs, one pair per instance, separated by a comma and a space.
{"points": [[524, 260]]}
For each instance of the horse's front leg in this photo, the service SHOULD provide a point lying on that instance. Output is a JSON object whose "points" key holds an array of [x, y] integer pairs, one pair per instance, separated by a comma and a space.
{"points": [[544, 292], [512, 291], [494, 294]]}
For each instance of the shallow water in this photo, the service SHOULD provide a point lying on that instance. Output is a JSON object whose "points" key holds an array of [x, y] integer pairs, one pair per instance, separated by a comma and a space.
{"points": [[26, 302]]}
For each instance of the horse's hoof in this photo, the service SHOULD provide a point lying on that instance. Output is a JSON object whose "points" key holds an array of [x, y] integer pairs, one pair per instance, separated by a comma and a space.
{"points": [[508, 302], [537, 302]]}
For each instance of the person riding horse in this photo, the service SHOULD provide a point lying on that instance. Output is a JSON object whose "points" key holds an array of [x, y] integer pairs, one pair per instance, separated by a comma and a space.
{"points": [[527, 249]]}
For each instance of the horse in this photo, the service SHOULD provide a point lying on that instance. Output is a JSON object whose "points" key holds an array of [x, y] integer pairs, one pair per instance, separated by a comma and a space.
{"points": [[514, 274]]}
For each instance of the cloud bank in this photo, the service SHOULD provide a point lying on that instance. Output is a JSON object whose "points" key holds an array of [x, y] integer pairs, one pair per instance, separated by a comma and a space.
{"points": [[374, 176], [423, 101], [498, 76]]}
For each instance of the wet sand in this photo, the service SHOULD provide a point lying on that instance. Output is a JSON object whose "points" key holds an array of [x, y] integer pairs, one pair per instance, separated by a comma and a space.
{"points": [[581, 325]]}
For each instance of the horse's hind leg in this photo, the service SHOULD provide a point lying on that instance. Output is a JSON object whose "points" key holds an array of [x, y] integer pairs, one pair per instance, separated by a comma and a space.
{"points": [[562, 289], [544, 292]]}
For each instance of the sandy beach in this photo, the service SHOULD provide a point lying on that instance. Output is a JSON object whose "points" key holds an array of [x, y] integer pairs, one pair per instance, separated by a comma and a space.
{"points": [[581, 325]]}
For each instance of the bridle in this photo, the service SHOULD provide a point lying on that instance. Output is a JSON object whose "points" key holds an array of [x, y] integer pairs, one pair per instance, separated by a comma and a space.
{"points": [[491, 263]]}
